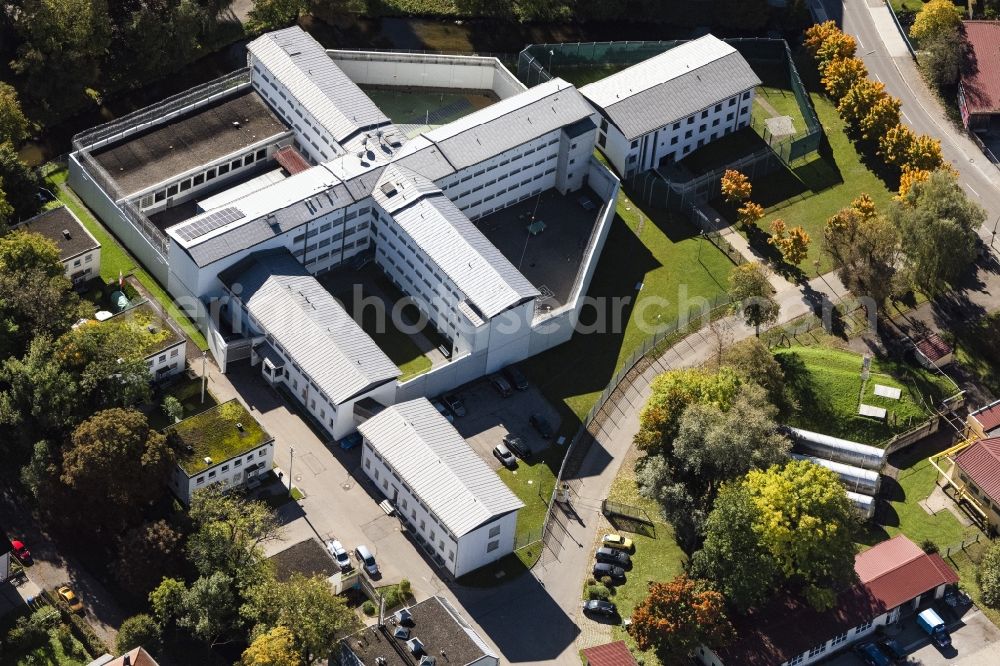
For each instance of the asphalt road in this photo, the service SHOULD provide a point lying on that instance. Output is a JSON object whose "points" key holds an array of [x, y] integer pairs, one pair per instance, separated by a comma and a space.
{"points": [[881, 47]]}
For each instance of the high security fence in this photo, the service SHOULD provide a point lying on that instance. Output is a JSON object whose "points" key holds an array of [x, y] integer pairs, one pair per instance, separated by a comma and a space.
{"points": [[771, 59]]}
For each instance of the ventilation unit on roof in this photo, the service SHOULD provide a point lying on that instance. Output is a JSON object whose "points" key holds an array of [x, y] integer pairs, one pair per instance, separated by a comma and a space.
{"points": [[416, 646], [403, 617], [401, 633], [236, 124], [66, 234], [272, 220], [427, 660], [388, 189], [381, 661]]}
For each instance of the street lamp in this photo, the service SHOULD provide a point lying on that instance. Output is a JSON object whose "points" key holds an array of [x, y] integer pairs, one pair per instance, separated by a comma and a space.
{"points": [[701, 237], [291, 461], [993, 238], [551, 53], [204, 375]]}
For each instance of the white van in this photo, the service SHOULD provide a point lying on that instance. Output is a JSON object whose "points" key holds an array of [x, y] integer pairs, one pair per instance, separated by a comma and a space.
{"points": [[367, 560]]}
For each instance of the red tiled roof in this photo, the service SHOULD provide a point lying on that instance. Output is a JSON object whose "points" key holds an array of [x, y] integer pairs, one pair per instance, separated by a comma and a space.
{"points": [[933, 347], [137, 657], [890, 574], [609, 654], [291, 160], [981, 463], [988, 417], [981, 83]]}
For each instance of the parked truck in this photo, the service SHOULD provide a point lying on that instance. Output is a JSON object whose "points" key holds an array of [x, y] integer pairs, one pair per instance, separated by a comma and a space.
{"points": [[934, 626]]}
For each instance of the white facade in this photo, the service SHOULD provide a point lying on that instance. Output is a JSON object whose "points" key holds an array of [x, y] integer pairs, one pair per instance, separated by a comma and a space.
{"points": [[674, 141], [234, 472], [439, 486], [83, 267], [167, 362]]}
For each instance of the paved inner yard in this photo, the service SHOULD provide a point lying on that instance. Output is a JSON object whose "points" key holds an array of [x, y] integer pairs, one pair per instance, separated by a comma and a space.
{"points": [[550, 259]]}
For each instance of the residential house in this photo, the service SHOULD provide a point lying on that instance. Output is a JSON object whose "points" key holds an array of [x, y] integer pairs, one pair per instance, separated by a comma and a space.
{"points": [[444, 491], [894, 578], [979, 87], [136, 657], [657, 111], [166, 347], [976, 474], [79, 251], [426, 633], [984, 422], [223, 446]]}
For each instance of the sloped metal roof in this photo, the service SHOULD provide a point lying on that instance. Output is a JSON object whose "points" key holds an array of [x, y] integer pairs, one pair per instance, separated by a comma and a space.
{"points": [[981, 75], [897, 570], [309, 323], [300, 63], [439, 466], [458, 248], [981, 462], [671, 86]]}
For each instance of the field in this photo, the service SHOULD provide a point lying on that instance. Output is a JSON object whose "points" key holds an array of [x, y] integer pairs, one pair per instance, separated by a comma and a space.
{"points": [[54, 652], [827, 384]]}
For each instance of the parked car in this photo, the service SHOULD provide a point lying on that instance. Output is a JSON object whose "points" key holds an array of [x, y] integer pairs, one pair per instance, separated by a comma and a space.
{"points": [[517, 446], [934, 626], [600, 607], [516, 377], [501, 385], [504, 455], [602, 569], [21, 552], [617, 541], [612, 556], [73, 601], [893, 648], [339, 553], [455, 404], [539, 423], [367, 560], [872, 655], [443, 411], [351, 441]]}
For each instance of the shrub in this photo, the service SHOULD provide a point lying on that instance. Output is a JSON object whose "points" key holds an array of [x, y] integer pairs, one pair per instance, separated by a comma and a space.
{"points": [[929, 546], [598, 592], [606, 581], [368, 608], [404, 587]]}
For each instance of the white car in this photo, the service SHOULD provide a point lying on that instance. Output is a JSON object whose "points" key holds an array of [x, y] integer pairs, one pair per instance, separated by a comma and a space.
{"points": [[339, 553]]}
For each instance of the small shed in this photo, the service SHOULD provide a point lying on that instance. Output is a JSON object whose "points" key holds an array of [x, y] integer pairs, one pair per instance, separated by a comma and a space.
{"points": [[609, 654], [933, 351]]}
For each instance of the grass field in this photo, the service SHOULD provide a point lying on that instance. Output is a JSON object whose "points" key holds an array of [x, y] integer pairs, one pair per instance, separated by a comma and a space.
{"points": [[533, 484], [782, 101], [115, 259], [676, 269], [57, 650], [827, 384]]}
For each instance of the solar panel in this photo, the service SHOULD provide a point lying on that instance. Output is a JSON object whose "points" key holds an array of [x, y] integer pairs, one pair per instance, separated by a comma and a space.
{"points": [[210, 222]]}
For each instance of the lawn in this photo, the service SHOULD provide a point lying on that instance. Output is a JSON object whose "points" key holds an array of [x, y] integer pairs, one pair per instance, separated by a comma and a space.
{"points": [[533, 484], [721, 152], [906, 516], [676, 270], [115, 259], [907, 5], [60, 649], [828, 386], [976, 350], [782, 101], [810, 192], [187, 390]]}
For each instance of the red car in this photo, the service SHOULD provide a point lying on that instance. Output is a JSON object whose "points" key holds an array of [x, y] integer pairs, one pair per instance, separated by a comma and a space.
{"points": [[21, 552]]}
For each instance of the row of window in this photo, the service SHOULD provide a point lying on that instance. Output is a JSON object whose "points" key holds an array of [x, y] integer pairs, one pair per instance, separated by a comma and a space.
{"points": [[832, 643], [201, 178], [213, 473]]}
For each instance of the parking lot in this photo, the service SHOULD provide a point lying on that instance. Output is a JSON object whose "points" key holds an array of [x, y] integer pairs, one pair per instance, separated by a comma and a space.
{"points": [[489, 417]]}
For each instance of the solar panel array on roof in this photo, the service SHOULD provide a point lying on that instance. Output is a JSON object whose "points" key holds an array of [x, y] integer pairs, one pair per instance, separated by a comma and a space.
{"points": [[211, 222]]}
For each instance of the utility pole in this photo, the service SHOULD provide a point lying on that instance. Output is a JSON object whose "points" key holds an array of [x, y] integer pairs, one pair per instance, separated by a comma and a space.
{"points": [[204, 375], [291, 461]]}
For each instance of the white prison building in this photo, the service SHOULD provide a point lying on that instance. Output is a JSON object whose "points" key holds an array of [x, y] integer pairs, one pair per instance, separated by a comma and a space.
{"points": [[447, 494]]}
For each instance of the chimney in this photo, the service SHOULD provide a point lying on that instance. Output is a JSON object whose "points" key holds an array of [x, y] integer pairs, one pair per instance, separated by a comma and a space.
{"points": [[66, 234]]}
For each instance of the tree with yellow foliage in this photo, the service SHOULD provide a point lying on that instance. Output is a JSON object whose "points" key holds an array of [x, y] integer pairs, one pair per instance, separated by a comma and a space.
{"points": [[895, 145], [925, 153], [272, 648], [859, 101], [937, 17], [793, 244], [736, 187], [749, 214], [841, 75], [911, 177], [818, 33], [883, 116], [837, 46], [864, 206]]}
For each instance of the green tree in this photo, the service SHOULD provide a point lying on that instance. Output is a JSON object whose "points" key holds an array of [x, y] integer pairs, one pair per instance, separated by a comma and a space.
{"points": [[20, 183], [273, 14], [167, 602], [679, 616], [936, 18], [988, 575], [731, 558], [229, 531], [173, 408], [805, 522], [671, 392], [941, 58], [14, 126], [62, 45], [115, 464], [752, 295], [272, 648], [865, 253], [754, 362], [937, 225], [138, 631], [308, 607], [210, 608], [146, 554], [109, 360], [37, 386], [160, 37]]}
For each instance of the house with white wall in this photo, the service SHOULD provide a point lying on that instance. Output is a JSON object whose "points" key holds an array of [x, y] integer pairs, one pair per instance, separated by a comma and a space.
{"points": [[165, 351], [79, 251], [442, 489], [659, 110], [895, 578], [224, 447]]}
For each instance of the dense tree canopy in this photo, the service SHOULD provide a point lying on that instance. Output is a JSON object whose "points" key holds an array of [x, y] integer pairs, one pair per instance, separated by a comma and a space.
{"points": [[20, 183], [272, 648], [936, 18], [988, 576], [14, 126], [146, 554], [228, 533], [865, 253], [752, 295], [677, 617]]}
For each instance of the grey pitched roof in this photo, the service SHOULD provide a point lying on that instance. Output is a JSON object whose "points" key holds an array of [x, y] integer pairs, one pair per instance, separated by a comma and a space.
{"points": [[453, 243], [501, 126], [311, 76], [671, 86], [52, 223], [439, 465], [309, 323]]}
